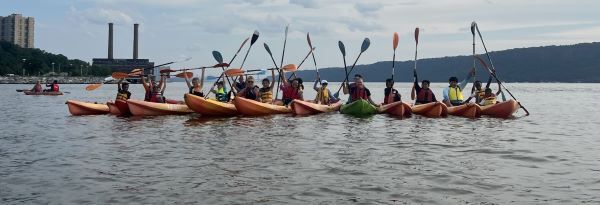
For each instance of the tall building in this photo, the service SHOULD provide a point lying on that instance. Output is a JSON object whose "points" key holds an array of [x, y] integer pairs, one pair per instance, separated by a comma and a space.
{"points": [[17, 29]]}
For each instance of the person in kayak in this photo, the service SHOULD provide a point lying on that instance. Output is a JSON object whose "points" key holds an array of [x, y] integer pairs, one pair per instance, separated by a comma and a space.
{"points": [[240, 85], [487, 97], [250, 91], [266, 92], [291, 90], [195, 88], [394, 96], [424, 93], [220, 92], [123, 90], [53, 87], [323, 93], [453, 94], [154, 90], [478, 92], [37, 88], [358, 91]]}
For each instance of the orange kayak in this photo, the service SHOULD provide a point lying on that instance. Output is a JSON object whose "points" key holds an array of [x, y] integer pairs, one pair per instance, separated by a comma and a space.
{"points": [[470, 110], [300, 107], [399, 109], [254, 108], [29, 92], [85, 108], [143, 108], [123, 107], [209, 107], [112, 108], [432, 109], [501, 110]]}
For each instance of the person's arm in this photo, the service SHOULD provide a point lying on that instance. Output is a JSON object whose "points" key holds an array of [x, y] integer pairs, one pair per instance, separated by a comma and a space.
{"points": [[315, 85], [345, 88], [119, 85], [464, 83], [162, 84], [284, 81], [256, 93], [499, 90], [145, 84], [446, 99], [301, 94], [202, 80], [187, 80], [369, 98], [272, 80]]}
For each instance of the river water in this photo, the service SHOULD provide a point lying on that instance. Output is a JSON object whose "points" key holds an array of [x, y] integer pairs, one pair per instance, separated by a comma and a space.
{"points": [[550, 157]]}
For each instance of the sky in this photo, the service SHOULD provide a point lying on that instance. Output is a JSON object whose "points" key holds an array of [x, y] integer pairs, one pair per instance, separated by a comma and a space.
{"points": [[175, 29]]}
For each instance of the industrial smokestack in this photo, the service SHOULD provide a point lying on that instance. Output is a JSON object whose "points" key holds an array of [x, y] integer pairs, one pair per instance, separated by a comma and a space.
{"points": [[110, 41], [135, 41]]}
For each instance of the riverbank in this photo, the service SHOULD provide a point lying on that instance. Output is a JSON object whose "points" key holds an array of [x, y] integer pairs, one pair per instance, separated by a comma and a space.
{"points": [[47, 79]]}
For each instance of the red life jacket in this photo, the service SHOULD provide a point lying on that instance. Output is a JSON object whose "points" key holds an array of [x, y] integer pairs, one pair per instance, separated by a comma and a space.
{"points": [[154, 97], [55, 87], [359, 93], [425, 95], [290, 93]]}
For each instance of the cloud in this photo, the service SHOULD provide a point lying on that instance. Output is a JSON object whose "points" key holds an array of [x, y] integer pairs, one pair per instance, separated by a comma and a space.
{"points": [[306, 3], [368, 9], [100, 16]]}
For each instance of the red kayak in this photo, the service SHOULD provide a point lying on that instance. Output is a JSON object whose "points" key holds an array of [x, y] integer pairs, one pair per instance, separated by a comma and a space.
{"points": [[399, 109], [300, 107], [112, 108], [123, 107], [470, 110], [501, 110], [432, 109]]}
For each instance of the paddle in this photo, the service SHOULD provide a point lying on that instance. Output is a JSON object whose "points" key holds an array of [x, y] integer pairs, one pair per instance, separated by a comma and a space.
{"points": [[299, 65], [493, 69], [474, 70], [343, 50], [275, 64], [238, 72], [185, 75], [365, 45], [313, 56], [254, 38], [96, 86], [219, 58], [413, 93], [395, 41]]}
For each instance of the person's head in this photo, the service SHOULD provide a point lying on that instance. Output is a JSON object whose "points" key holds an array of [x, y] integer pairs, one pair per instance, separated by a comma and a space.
{"points": [[389, 83], [324, 83], [266, 82], [477, 85], [296, 83], [55, 81], [357, 76], [249, 81], [241, 79], [220, 84], [359, 82], [125, 85], [425, 84], [453, 81], [195, 81], [38, 82], [488, 91]]}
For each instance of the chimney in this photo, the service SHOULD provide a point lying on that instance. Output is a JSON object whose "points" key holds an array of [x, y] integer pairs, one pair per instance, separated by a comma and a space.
{"points": [[135, 41], [110, 41]]}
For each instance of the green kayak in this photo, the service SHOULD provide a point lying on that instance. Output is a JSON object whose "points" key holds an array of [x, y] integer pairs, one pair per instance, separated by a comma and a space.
{"points": [[359, 108]]}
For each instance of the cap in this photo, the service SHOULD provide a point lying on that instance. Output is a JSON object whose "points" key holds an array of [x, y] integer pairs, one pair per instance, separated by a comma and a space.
{"points": [[323, 81]]}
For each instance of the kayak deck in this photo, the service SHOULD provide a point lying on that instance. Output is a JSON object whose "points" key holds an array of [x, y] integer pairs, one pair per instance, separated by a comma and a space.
{"points": [[300, 107]]}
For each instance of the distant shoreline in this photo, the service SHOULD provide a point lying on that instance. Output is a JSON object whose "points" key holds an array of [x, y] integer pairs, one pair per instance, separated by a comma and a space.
{"points": [[49, 79]]}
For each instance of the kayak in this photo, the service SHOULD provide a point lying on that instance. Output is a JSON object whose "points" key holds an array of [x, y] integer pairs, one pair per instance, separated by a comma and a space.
{"points": [[112, 108], [359, 108], [254, 108], [209, 107], [300, 107], [143, 108], [399, 109], [470, 110], [432, 109], [501, 110], [29, 92], [86, 108], [123, 107]]}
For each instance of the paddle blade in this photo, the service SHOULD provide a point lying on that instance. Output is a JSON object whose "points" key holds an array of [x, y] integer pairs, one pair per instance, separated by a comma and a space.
{"points": [[218, 57], [243, 43], [308, 39], [119, 75], [342, 48], [290, 68], [166, 71], [396, 39], [268, 49], [234, 72], [221, 65], [92, 87], [254, 37], [185, 75], [473, 25], [137, 70], [417, 35], [365, 45]]}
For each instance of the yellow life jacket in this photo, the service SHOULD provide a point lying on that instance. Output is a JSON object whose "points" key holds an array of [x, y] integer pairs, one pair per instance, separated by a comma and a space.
{"points": [[322, 96], [221, 90], [489, 100], [455, 94], [122, 96], [266, 96]]}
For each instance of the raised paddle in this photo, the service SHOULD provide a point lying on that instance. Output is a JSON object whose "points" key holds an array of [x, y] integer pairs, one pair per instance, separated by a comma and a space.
{"points": [[284, 43], [313, 56], [413, 92], [343, 50], [299, 65], [252, 41], [239, 72], [365, 45], [219, 58], [395, 41], [185, 75], [275, 64], [493, 69], [474, 70]]}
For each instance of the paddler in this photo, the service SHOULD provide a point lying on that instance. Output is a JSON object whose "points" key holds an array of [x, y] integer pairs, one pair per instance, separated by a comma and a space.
{"points": [[291, 90], [266, 92], [477, 92], [424, 93], [195, 88], [358, 91], [123, 90], [154, 90], [394, 96], [453, 94], [323, 93], [53, 87], [37, 88], [250, 91], [220, 92], [241, 84]]}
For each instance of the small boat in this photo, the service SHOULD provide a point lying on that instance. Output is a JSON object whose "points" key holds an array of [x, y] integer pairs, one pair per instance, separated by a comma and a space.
{"points": [[123, 107], [209, 107], [399, 109], [254, 108], [300, 107], [112, 108], [86, 108], [29, 92], [359, 108], [143, 108], [501, 110], [469, 110], [432, 109]]}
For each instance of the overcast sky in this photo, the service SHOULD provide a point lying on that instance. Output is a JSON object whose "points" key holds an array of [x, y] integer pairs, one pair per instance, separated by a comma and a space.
{"points": [[173, 29]]}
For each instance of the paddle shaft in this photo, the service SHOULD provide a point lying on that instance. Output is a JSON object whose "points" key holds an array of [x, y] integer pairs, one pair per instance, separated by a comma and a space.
{"points": [[347, 74], [299, 65]]}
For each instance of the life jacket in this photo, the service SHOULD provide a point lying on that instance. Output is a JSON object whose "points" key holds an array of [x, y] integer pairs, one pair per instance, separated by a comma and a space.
{"points": [[123, 95], [37, 88], [290, 93], [425, 96], [55, 87], [358, 93], [154, 97], [221, 95], [395, 97], [249, 93], [455, 95], [322, 96], [266, 95], [196, 93], [490, 100]]}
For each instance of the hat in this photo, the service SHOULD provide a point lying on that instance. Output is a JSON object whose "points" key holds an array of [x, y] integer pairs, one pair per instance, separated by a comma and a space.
{"points": [[323, 81], [125, 82]]}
